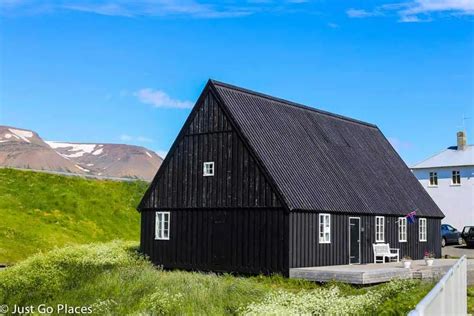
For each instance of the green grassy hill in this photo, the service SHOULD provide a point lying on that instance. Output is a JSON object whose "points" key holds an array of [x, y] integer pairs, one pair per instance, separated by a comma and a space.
{"points": [[39, 211]]}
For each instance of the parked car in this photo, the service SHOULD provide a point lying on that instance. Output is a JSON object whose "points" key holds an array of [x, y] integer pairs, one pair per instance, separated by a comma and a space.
{"points": [[450, 235], [468, 235]]}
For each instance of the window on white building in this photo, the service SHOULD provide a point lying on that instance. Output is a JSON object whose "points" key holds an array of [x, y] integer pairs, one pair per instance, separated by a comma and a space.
{"points": [[456, 177], [208, 169], [379, 229], [162, 225], [422, 229], [324, 228], [402, 229], [433, 179]]}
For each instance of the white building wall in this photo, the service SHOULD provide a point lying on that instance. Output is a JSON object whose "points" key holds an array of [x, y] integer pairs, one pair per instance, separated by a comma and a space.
{"points": [[456, 201]]}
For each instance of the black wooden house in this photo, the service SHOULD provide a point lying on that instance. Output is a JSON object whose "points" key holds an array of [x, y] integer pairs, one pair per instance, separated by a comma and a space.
{"points": [[257, 184]]}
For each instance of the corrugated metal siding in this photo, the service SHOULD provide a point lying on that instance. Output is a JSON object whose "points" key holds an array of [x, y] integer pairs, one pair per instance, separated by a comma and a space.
{"points": [[321, 161], [238, 179], [255, 242], [305, 250]]}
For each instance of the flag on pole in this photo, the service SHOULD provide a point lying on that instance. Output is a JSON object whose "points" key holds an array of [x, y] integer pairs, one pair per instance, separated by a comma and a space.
{"points": [[411, 217]]}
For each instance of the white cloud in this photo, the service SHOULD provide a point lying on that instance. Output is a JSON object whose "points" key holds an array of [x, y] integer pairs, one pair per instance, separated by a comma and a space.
{"points": [[413, 10], [418, 10], [160, 99], [126, 138], [129, 8], [359, 13], [162, 153], [399, 144], [333, 25], [139, 8], [139, 139]]}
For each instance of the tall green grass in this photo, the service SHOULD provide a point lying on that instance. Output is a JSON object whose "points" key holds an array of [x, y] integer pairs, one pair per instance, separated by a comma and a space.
{"points": [[112, 278], [39, 211]]}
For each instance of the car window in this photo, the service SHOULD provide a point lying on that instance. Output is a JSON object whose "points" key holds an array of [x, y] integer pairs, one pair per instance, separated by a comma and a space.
{"points": [[450, 228]]}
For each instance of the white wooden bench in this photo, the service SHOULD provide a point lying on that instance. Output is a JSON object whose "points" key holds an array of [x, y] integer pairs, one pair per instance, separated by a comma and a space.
{"points": [[384, 251]]}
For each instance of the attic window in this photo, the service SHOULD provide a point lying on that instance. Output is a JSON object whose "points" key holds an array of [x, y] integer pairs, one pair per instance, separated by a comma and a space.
{"points": [[208, 169]]}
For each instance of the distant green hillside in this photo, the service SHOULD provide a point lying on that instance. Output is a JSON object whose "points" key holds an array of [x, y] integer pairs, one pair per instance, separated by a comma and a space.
{"points": [[39, 211]]}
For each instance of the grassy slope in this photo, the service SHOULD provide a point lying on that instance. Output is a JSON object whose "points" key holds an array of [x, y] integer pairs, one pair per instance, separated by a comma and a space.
{"points": [[39, 211], [113, 279]]}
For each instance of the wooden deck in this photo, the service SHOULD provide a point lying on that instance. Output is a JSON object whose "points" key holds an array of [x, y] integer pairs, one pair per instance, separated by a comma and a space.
{"points": [[378, 273]]}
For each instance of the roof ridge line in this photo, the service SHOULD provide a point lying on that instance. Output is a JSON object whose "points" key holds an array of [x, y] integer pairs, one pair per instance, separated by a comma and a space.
{"points": [[291, 103], [415, 166]]}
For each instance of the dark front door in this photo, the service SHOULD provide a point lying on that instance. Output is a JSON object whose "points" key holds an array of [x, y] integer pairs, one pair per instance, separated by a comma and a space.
{"points": [[354, 240], [220, 239]]}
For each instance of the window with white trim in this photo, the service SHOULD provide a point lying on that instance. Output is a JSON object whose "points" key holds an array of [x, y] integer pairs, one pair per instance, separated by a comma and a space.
{"points": [[433, 179], [208, 169], [422, 229], [324, 228], [402, 229], [379, 229], [456, 178], [162, 225]]}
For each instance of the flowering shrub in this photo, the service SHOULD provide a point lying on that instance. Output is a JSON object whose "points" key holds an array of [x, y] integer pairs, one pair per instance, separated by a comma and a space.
{"points": [[429, 254], [45, 275], [160, 303], [325, 301], [104, 307]]}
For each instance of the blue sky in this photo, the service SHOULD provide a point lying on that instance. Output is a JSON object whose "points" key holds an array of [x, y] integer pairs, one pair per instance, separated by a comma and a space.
{"points": [[129, 71]]}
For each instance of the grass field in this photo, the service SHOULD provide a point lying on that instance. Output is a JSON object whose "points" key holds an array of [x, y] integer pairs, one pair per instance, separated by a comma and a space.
{"points": [[111, 278], [470, 299], [39, 211]]}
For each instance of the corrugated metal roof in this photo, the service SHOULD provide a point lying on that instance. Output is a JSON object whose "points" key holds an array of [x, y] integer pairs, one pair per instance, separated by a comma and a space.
{"points": [[449, 157], [324, 161]]}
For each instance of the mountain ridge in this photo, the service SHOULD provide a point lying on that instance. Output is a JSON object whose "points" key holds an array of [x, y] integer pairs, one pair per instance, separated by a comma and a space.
{"points": [[24, 148]]}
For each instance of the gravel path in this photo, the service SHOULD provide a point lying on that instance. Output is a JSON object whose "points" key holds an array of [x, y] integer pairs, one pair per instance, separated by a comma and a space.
{"points": [[457, 251]]}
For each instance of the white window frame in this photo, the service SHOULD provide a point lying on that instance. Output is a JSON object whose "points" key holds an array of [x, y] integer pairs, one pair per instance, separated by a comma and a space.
{"points": [[422, 229], [433, 175], [162, 233], [402, 229], [455, 174], [208, 169], [379, 233], [324, 225]]}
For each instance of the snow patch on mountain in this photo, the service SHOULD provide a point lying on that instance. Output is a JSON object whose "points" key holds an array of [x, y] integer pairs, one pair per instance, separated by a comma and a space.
{"points": [[21, 134], [97, 152], [74, 150], [83, 169]]}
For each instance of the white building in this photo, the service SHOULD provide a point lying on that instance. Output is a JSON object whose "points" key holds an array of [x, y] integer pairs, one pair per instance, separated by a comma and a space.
{"points": [[448, 178]]}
